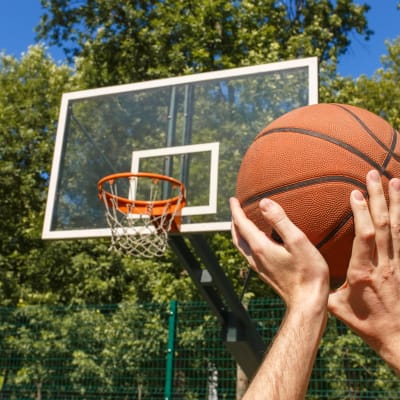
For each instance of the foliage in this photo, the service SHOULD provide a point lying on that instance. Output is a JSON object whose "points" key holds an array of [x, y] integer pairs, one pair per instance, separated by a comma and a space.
{"points": [[352, 367], [378, 94], [29, 97], [124, 41], [34, 271], [119, 352], [108, 38], [113, 42], [80, 350]]}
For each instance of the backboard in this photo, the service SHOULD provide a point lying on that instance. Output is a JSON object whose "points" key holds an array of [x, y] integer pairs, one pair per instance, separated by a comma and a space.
{"points": [[194, 128]]}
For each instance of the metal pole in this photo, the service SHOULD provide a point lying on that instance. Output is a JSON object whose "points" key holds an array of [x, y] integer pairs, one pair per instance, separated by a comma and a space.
{"points": [[170, 141], [169, 374], [239, 332]]}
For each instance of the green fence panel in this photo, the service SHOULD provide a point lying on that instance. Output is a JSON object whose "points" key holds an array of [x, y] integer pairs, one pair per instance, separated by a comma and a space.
{"points": [[121, 352]]}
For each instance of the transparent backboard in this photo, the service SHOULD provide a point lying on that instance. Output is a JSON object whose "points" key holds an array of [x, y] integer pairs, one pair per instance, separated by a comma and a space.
{"points": [[195, 128]]}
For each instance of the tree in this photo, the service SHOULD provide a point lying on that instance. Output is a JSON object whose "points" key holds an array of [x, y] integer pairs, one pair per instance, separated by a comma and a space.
{"points": [[378, 94], [117, 42], [34, 271], [125, 41], [29, 97], [122, 41]]}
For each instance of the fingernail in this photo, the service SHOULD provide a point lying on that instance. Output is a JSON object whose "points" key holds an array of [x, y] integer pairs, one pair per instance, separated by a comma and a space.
{"points": [[265, 204], [374, 175], [395, 182], [357, 195]]}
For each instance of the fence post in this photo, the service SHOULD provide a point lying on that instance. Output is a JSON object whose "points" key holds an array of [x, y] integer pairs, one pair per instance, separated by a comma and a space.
{"points": [[169, 373]]}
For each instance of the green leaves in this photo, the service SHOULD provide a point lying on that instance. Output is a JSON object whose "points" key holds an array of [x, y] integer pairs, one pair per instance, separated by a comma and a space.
{"points": [[81, 349], [346, 358], [30, 91], [124, 41]]}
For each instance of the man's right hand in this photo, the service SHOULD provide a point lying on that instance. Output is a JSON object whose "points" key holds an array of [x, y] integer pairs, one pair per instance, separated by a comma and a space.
{"points": [[369, 301]]}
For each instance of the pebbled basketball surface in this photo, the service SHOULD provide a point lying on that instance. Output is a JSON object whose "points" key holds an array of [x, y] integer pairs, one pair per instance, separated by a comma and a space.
{"points": [[309, 160]]}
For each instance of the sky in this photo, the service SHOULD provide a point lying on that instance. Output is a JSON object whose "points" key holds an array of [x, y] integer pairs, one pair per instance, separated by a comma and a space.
{"points": [[19, 17]]}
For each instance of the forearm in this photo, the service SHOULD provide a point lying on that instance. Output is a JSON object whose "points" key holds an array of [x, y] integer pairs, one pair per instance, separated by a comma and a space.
{"points": [[285, 372]]}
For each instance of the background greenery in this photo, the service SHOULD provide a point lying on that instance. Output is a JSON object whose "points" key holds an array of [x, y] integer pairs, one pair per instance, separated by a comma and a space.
{"points": [[113, 42], [119, 352]]}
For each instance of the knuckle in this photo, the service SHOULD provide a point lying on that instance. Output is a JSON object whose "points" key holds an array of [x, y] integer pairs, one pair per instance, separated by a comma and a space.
{"points": [[257, 246], [363, 206], [276, 216], [257, 249], [360, 272], [395, 229], [388, 271], [361, 277], [368, 235], [298, 238], [382, 222]]}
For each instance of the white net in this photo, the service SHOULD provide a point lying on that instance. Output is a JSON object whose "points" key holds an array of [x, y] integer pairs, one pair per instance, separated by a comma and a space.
{"points": [[143, 233]]}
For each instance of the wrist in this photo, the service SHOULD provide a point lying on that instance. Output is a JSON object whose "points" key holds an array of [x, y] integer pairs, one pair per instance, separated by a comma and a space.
{"points": [[310, 312], [389, 351], [313, 302]]}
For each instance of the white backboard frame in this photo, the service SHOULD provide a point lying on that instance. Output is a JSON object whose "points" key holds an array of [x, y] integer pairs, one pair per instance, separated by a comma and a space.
{"points": [[48, 233]]}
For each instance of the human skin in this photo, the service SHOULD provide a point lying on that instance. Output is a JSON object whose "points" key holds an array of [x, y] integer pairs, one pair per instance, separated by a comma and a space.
{"points": [[299, 274], [369, 301]]}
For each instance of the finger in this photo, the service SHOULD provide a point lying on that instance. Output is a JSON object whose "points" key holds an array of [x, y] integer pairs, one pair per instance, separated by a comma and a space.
{"points": [[291, 235], [243, 227], [238, 240], [364, 240], [238, 215], [235, 209], [246, 234], [379, 213], [241, 244], [394, 214], [257, 240]]}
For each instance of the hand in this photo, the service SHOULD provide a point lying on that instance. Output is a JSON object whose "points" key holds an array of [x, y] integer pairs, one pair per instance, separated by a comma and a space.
{"points": [[295, 269], [299, 274], [369, 301]]}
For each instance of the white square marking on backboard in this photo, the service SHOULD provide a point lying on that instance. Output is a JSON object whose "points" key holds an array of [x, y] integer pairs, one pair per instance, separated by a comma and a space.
{"points": [[213, 148], [70, 214]]}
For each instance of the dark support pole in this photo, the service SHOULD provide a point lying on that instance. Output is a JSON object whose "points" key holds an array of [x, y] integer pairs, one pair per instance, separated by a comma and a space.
{"points": [[169, 371], [170, 140], [239, 332], [201, 278]]}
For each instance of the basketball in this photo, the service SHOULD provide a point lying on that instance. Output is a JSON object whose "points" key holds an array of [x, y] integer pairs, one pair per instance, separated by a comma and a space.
{"points": [[309, 160]]}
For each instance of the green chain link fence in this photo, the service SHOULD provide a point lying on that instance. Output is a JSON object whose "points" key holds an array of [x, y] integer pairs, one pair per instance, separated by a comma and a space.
{"points": [[161, 351]]}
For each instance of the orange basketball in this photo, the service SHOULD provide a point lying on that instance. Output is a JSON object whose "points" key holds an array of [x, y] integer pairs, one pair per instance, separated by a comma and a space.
{"points": [[309, 160]]}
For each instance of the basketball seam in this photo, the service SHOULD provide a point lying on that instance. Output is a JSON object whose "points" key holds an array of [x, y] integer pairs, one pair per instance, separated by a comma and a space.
{"points": [[339, 226], [335, 230], [301, 184], [372, 134], [311, 182], [332, 140], [391, 152]]}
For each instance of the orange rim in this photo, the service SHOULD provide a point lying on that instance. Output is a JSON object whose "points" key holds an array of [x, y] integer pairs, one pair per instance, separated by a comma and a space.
{"points": [[157, 207]]}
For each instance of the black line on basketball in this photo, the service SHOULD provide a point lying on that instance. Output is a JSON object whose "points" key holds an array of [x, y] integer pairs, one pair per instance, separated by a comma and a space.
{"points": [[372, 134], [332, 140], [343, 222], [391, 152], [335, 230], [301, 184]]}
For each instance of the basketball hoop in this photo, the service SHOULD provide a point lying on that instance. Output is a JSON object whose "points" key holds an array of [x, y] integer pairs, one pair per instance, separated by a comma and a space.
{"points": [[140, 227]]}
